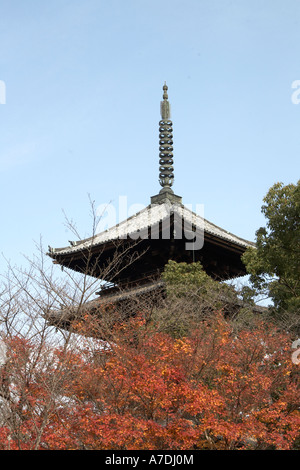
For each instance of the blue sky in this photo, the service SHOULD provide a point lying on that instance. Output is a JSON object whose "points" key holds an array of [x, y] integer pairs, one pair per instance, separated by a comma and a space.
{"points": [[84, 81]]}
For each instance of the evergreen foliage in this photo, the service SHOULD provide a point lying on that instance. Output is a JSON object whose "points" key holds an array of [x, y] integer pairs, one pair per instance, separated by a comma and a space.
{"points": [[274, 264]]}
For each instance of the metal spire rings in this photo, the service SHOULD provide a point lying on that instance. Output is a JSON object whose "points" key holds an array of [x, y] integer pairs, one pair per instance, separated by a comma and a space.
{"points": [[166, 170]]}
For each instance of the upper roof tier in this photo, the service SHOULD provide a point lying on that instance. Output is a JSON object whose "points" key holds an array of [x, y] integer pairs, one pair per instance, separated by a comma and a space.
{"points": [[138, 225], [142, 245]]}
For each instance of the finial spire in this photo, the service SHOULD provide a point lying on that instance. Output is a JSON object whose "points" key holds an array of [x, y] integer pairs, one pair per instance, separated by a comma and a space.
{"points": [[166, 170], [166, 175], [165, 95], [165, 109]]}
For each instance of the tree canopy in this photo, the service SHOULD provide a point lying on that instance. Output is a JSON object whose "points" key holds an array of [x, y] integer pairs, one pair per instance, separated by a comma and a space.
{"points": [[274, 264], [212, 389]]}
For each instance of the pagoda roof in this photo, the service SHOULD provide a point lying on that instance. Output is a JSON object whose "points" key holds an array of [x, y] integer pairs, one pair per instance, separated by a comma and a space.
{"points": [[148, 217]]}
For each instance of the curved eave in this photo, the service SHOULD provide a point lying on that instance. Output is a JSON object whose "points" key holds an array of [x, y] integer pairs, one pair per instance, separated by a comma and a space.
{"points": [[140, 222]]}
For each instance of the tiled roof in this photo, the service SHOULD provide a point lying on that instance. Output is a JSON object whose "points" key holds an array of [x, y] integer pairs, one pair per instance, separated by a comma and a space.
{"points": [[149, 217]]}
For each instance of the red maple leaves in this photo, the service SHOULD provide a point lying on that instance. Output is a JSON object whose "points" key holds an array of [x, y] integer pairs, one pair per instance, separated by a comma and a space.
{"points": [[214, 389]]}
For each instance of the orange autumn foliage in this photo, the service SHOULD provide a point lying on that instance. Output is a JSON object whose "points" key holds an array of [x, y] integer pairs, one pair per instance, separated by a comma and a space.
{"points": [[214, 389]]}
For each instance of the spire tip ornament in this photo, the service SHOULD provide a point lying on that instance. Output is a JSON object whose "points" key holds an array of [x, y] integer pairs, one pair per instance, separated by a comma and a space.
{"points": [[165, 108]]}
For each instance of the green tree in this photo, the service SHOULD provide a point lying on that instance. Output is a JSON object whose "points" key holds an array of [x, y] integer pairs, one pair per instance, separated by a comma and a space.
{"points": [[192, 295], [274, 264]]}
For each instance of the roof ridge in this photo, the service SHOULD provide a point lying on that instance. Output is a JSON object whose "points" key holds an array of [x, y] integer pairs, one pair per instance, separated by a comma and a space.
{"points": [[156, 213]]}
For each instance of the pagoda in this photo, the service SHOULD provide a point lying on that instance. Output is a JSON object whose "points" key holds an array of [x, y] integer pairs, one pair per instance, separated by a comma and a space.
{"points": [[129, 257]]}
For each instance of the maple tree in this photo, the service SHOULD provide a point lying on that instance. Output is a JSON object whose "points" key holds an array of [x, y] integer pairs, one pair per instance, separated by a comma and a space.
{"points": [[213, 389], [179, 376]]}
